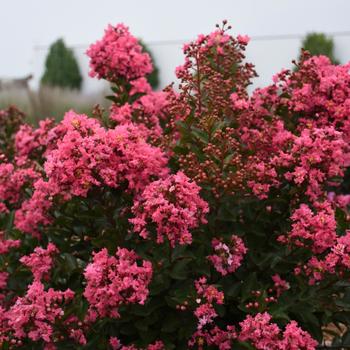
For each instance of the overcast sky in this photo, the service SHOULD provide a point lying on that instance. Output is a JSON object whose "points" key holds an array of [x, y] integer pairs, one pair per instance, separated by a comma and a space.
{"points": [[26, 24]]}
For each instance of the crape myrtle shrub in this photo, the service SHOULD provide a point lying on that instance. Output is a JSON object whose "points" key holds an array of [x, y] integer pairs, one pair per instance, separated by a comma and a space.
{"points": [[196, 218]]}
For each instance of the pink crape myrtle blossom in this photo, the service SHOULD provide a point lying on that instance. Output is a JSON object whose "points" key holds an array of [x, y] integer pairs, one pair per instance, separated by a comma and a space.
{"points": [[132, 159], [260, 332], [121, 114], [115, 280], [342, 200], [294, 338], [34, 315], [243, 39], [312, 152], [70, 165], [40, 261], [207, 295], [118, 55], [34, 211], [173, 204], [280, 285], [115, 343], [78, 336], [209, 292], [316, 230], [318, 156], [13, 179], [7, 244], [28, 139], [147, 112], [117, 154], [264, 335], [5, 328], [227, 257], [335, 262], [140, 86], [221, 339], [319, 92]]}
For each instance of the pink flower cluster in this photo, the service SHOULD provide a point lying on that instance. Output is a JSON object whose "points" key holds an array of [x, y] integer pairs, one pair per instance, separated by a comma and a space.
{"points": [[336, 262], [12, 181], [132, 159], [316, 157], [319, 92], [221, 339], [259, 332], [227, 257], [314, 230], [115, 280], [40, 261], [140, 86], [205, 312], [118, 55], [115, 155], [173, 205], [34, 212], [280, 285], [7, 244], [264, 335], [88, 155], [34, 315], [29, 140], [147, 112], [339, 200], [298, 128], [310, 161]]}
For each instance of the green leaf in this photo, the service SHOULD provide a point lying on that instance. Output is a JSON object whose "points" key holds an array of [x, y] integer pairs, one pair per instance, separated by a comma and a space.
{"points": [[180, 270]]}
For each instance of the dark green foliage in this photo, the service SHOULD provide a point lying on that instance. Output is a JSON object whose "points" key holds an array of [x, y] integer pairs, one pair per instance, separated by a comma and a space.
{"points": [[61, 67], [319, 44], [152, 78]]}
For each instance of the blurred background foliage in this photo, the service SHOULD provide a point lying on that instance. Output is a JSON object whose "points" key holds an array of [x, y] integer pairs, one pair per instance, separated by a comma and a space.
{"points": [[60, 88], [61, 67], [319, 44]]}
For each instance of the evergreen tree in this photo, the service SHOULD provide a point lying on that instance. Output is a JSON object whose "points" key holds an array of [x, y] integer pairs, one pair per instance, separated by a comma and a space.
{"points": [[61, 67], [319, 44]]}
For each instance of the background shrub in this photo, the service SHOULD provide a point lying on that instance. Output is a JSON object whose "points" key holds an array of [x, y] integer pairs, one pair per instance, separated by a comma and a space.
{"points": [[61, 67], [319, 44]]}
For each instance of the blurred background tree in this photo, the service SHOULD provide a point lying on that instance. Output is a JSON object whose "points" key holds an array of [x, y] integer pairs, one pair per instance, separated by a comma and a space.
{"points": [[61, 67], [152, 78], [319, 44]]}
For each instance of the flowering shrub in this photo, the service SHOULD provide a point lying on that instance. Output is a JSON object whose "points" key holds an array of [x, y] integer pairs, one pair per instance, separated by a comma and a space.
{"points": [[196, 218]]}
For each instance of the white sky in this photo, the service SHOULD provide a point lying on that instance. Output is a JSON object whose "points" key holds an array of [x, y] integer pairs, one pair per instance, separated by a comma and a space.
{"points": [[25, 24]]}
